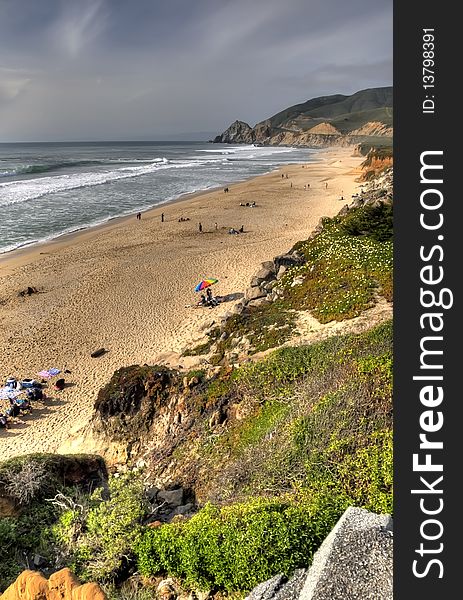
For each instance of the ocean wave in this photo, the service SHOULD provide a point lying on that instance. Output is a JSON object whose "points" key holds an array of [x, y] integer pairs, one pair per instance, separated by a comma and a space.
{"points": [[48, 167], [13, 192]]}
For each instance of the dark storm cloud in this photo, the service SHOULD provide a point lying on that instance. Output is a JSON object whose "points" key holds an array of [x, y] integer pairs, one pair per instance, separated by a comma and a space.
{"points": [[114, 69]]}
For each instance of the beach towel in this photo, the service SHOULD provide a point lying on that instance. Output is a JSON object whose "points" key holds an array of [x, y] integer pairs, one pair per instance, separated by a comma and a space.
{"points": [[48, 373]]}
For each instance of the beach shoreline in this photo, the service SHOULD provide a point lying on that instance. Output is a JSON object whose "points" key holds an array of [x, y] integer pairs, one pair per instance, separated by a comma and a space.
{"points": [[127, 284]]}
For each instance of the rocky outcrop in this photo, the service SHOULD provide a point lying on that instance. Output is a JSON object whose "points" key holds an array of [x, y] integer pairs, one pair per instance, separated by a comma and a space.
{"points": [[321, 136], [374, 128], [239, 132], [280, 587], [321, 122], [374, 166], [354, 562], [62, 585]]}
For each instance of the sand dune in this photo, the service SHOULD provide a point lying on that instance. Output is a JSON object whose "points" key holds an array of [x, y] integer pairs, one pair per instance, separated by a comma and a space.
{"points": [[127, 286]]}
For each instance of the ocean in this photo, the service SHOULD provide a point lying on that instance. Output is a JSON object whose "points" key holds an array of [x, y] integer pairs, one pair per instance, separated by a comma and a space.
{"points": [[50, 189]]}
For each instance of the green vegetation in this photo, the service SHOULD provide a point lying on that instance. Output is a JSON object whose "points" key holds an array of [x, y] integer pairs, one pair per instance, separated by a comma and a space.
{"points": [[235, 547], [21, 536], [97, 537], [205, 347], [93, 533], [344, 270], [346, 113], [347, 265], [320, 419], [374, 221], [316, 437]]}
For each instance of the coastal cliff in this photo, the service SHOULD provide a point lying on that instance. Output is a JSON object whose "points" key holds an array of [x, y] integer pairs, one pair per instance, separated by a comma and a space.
{"points": [[321, 122]]}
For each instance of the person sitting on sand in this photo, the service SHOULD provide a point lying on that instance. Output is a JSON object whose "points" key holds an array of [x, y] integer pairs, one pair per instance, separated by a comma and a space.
{"points": [[241, 229], [13, 411], [4, 422], [35, 394], [203, 301], [232, 230], [210, 298], [23, 404]]}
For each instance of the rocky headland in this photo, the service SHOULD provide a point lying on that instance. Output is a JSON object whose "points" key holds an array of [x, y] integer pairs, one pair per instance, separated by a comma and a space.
{"points": [[363, 118]]}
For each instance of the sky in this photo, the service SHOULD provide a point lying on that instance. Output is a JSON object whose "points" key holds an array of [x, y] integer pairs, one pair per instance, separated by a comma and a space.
{"points": [[81, 70]]}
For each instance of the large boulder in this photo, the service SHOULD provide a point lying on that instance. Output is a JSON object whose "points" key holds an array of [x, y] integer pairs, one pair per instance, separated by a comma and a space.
{"points": [[354, 561], [62, 585], [253, 293], [288, 260], [279, 587], [262, 275]]}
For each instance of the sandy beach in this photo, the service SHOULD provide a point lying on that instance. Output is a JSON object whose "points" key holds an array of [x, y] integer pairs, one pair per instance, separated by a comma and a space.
{"points": [[128, 286]]}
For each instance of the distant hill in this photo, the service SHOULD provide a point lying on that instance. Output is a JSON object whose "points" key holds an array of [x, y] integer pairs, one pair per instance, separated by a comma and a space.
{"points": [[365, 116]]}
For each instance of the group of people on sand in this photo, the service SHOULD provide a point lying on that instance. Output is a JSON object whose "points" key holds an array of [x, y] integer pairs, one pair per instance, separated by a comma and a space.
{"points": [[233, 230], [19, 397], [209, 299], [20, 400]]}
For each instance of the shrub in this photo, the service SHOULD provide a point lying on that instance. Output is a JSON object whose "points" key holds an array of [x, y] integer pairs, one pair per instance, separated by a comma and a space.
{"points": [[98, 540], [238, 546], [21, 537], [374, 221], [24, 483]]}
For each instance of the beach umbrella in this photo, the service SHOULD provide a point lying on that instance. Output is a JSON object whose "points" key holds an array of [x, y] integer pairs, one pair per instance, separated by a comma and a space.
{"points": [[205, 283]]}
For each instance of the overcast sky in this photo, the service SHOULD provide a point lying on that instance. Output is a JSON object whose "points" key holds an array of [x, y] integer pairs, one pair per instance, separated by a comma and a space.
{"points": [[144, 69]]}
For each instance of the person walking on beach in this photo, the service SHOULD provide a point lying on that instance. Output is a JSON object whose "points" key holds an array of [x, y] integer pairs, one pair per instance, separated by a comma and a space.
{"points": [[216, 226], [138, 216], [200, 227], [162, 217], [326, 185]]}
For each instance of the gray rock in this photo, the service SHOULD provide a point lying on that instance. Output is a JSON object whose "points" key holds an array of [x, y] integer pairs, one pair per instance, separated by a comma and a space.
{"points": [[268, 287], [39, 561], [355, 560], [238, 308], [270, 265], [254, 293], [288, 260], [267, 589], [281, 271], [151, 493], [279, 588], [259, 301], [357, 203], [264, 274], [172, 497], [185, 509], [292, 589]]}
